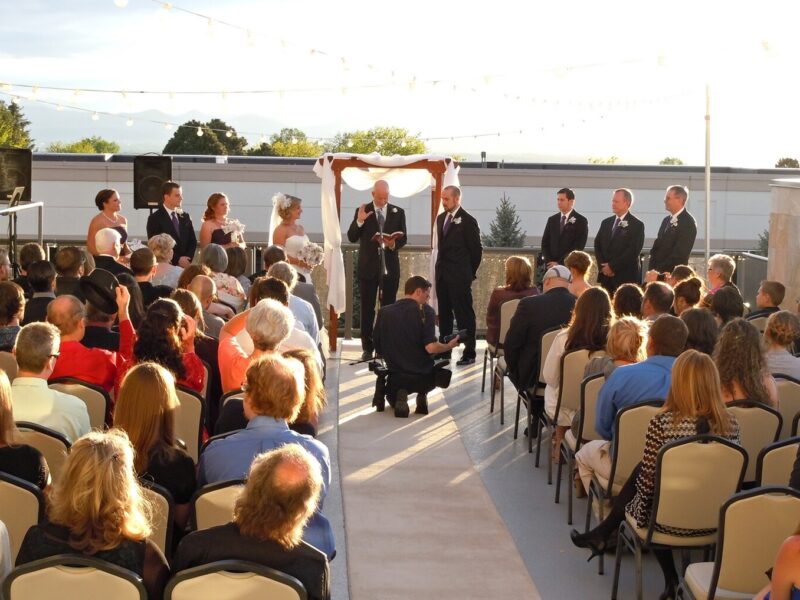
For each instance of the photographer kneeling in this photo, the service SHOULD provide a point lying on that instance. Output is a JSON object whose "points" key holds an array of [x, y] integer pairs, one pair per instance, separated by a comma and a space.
{"points": [[405, 337]]}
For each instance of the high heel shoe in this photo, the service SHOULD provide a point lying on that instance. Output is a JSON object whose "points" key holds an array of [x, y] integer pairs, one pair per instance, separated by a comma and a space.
{"points": [[591, 540]]}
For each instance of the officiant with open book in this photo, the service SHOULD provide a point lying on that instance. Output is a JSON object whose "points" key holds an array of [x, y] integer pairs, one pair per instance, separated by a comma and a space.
{"points": [[378, 264]]}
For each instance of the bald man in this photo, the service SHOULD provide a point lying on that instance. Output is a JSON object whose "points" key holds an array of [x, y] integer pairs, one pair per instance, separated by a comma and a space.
{"points": [[368, 220]]}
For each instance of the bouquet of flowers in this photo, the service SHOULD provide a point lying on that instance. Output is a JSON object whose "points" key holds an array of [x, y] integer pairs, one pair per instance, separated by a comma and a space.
{"points": [[311, 254], [235, 226], [135, 244]]}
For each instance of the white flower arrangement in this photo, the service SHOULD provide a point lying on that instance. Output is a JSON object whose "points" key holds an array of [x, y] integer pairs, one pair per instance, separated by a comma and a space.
{"points": [[394, 209], [623, 224], [311, 254], [673, 222], [571, 220], [179, 211], [281, 201], [135, 244], [234, 226], [457, 220]]}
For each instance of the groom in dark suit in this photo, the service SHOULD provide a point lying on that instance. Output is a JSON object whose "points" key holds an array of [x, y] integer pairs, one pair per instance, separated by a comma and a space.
{"points": [[368, 220], [170, 219], [618, 244], [457, 262], [565, 231], [675, 236]]}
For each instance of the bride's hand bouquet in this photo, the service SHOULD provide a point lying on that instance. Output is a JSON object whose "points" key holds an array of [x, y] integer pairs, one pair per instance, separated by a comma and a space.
{"points": [[311, 254]]}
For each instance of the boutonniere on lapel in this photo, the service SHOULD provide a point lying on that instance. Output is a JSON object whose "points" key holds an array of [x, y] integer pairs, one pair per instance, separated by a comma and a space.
{"points": [[571, 220], [623, 224], [394, 210], [457, 220], [179, 211], [673, 222]]}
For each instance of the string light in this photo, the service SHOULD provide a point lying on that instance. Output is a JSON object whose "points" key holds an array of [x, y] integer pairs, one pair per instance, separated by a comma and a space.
{"points": [[199, 132], [129, 122], [229, 134], [95, 116], [263, 139], [294, 140], [6, 87], [167, 126], [349, 143], [121, 3]]}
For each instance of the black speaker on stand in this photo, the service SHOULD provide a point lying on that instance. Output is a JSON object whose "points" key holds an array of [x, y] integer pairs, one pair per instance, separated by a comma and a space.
{"points": [[149, 174], [15, 172]]}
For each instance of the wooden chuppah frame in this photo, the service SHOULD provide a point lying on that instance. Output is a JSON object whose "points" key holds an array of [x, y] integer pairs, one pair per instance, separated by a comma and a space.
{"points": [[437, 170]]}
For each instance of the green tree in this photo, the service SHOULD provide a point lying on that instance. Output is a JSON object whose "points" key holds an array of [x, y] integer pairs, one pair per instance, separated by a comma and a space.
{"points": [[504, 231], [234, 145], [787, 163], [90, 145], [293, 142], [186, 141], [763, 243], [670, 160], [384, 140], [263, 149], [14, 127], [596, 160]]}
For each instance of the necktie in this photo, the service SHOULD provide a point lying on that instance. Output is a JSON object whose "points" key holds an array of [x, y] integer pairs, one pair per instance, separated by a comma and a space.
{"points": [[175, 224], [563, 222], [447, 221], [616, 226], [381, 218]]}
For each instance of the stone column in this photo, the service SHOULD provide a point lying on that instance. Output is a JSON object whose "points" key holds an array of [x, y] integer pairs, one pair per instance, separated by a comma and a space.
{"points": [[784, 239]]}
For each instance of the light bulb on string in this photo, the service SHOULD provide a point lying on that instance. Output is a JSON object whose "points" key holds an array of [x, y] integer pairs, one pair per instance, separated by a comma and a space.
{"points": [[167, 126], [199, 132], [34, 91], [403, 144], [16, 100], [59, 108], [263, 139], [229, 134], [6, 87], [129, 122], [379, 143], [76, 93], [95, 116], [120, 3], [250, 39], [294, 140], [349, 143]]}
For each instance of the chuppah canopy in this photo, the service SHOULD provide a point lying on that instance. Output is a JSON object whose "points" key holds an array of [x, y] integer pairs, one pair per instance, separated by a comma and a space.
{"points": [[406, 175]]}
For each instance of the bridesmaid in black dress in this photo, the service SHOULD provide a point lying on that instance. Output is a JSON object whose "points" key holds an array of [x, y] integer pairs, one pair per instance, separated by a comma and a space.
{"points": [[215, 219], [108, 203]]}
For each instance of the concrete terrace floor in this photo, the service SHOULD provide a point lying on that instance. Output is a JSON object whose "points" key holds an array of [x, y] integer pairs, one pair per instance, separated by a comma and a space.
{"points": [[519, 491]]}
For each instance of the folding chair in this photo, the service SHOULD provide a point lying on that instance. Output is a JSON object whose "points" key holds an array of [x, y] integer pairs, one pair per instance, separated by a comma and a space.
{"points": [[21, 507], [212, 504], [53, 445], [760, 323], [233, 580], [759, 426], [189, 420], [492, 352], [232, 395], [96, 398], [214, 438], [776, 461], [788, 402], [163, 514]]}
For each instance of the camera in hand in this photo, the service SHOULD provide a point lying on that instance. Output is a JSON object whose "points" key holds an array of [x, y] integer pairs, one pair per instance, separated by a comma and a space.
{"points": [[461, 333]]}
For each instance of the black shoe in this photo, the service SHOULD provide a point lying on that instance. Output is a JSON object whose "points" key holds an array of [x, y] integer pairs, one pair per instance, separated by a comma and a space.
{"points": [[591, 540], [401, 404], [422, 404], [379, 402], [367, 355], [465, 360]]}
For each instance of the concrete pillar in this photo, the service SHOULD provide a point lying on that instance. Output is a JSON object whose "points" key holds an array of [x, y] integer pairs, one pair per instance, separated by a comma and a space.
{"points": [[784, 239]]}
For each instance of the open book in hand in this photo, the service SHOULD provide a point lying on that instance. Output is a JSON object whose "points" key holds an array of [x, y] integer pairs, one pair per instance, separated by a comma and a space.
{"points": [[388, 237]]}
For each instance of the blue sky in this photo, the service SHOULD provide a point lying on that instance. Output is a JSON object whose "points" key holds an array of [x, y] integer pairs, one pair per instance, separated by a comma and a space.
{"points": [[578, 79]]}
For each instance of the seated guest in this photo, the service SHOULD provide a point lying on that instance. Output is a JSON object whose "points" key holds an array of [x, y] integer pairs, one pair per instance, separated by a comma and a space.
{"points": [[92, 365], [237, 265], [303, 311], [28, 254], [12, 307], [628, 386], [206, 290], [166, 336], [188, 275], [207, 348], [768, 299], [727, 304], [687, 295], [720, 272], [626, 343], [282, 490], [97, 509], [69, 268], [628, 300], [136, 308], [533, 317], [5, 265], [268, 323], [108, 243], [742, 365], [692, 407], [143, 265], [166, 273], [679, 273], [145, 410], [519, 278], [42, 279], [98, 332], [19, 460], [405, 336], [578, 263], [36, 352], [703, 330], [782, 330], [588, 328], [229, 290], [272, 254], [273, 397], [785, 576], [657, 300]]}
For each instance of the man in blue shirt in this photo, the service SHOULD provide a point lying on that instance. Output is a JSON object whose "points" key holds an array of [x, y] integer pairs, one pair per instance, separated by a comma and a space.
{"points": [[630, 385], [274, 393]]}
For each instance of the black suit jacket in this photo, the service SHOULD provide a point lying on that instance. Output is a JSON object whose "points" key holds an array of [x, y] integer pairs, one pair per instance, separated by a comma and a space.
{"points": [[69, 285], [151, 293], [36, 309], [673, 244], [107, 263], [460, 251], [534, 316], [621, 251], [186, 244], [369, 261], [556, 244]]}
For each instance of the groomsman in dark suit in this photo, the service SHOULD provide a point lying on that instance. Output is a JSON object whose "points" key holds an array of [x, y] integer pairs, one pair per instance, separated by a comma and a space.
{"points": [[675, 236], [565, 231], [618, 244], [368, 220], [169, 218], [457, 262]]}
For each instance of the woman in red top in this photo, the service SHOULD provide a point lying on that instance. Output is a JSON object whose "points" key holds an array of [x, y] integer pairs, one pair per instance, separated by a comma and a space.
{"points": [[166, 337], [519, 284]]}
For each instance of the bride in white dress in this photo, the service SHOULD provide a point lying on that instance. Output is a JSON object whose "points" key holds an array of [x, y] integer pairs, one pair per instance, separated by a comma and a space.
{"points": [[287, 232]]}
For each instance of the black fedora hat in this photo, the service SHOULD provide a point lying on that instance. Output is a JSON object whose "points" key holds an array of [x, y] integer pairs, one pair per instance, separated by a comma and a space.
{"points": [[99, 289]]}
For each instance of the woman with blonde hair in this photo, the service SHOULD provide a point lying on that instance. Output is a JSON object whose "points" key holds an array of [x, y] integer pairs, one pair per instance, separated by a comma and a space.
{"points": [[314, 401], [693, 406], [743, 371], [163, 246], [97, 509], [145, 410], [626, 345], [19, 460], [783, 328], [578, 263], [519, 278], [217, 228]]}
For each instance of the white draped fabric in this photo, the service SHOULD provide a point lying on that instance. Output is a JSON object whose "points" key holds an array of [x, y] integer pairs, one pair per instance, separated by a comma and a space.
{"points": [[402, 183]]}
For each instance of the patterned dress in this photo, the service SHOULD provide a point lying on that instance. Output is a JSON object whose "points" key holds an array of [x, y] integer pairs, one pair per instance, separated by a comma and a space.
{"points": [[661, 431]]}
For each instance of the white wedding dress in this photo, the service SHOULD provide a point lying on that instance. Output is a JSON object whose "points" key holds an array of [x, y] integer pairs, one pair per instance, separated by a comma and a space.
{"points": [[294, 244]]}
